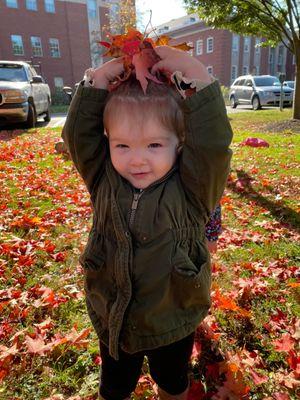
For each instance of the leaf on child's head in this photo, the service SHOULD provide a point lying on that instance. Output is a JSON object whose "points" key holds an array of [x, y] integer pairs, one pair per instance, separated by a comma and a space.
{"points": [[139, 55]]}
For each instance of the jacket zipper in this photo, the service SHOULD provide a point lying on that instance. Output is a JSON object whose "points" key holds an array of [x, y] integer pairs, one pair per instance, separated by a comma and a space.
{"points": [[137, 196], [134, 204]]}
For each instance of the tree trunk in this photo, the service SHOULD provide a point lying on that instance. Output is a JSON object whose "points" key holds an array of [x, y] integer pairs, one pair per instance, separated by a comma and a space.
{"points": [[296, 102], [296, 110]]}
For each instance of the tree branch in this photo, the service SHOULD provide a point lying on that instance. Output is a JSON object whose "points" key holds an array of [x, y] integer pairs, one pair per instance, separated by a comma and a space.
{"points": [[277, 20], [296, 14]]}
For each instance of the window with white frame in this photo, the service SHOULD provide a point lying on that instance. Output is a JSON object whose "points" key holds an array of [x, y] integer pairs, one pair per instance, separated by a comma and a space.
{"points": [[49, 6], [233, 72], [280, 54], [235, 42], [257, 47], [245, 70], [256, 70], [54, 48], [92, 8], [17, 45], [58, 82], [210, 70], [271, 55], [210, 45], [31, 5], [191, 44], [36, 46], [247, 44], [12, 3], [199, 47]]}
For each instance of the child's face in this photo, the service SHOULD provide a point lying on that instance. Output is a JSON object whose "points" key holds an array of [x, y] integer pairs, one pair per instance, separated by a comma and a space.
{"points": [[142, 154]]}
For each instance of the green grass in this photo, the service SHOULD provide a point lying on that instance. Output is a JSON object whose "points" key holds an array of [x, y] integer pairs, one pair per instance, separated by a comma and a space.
{"points": [[259, 241]]}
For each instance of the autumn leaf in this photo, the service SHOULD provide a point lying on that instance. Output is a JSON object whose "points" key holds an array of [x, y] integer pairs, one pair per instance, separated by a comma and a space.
{"points": [[286, 343]]}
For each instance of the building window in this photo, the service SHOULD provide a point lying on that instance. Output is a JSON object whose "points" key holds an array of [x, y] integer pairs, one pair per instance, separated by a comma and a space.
{"points": [[294, 60], [245, 70], [31, 5], [191, 44], [58, 82], [233, 72], [36, 46], [280, 54], [199, 47], [210, 70], [256, 70], [49, 6], [17, 45], [246, 44], [210, 45], [271, 55], [92, 8], [12, 3], [235, 42], [257, 47], [54, 48]]}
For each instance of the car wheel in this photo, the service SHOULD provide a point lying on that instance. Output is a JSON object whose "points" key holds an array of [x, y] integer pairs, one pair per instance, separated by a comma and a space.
{"points": [[256, 103], [47, 116], [233, 103], [31, 117]]}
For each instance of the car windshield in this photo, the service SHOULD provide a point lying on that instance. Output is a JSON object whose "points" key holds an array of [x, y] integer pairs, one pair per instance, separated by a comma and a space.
{"points": [[266, 81], [12, 73], [291, 84]]}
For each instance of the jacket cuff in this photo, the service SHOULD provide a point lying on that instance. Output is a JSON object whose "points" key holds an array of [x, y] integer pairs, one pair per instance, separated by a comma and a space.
{"points": [[206, 95], [90, 93]]}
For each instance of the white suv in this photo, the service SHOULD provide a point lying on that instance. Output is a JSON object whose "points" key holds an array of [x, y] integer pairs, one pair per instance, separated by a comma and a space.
{"points": [[263, 90]]}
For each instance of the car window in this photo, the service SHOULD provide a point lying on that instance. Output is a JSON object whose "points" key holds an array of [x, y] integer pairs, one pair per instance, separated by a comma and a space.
{"points": [[266, 81], [12, 73], [242, 82], [248, 82]]}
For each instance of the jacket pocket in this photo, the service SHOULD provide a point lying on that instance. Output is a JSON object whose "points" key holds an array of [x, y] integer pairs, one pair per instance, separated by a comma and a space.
{"points": [[191, 277]]}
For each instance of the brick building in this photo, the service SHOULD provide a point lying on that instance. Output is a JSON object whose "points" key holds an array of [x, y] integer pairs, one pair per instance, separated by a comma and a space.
{"points": [[58, 35], [225, 54]]}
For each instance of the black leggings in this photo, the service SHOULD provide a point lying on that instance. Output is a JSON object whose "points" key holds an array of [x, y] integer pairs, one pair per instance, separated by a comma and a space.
{"points": [[168, 368]]}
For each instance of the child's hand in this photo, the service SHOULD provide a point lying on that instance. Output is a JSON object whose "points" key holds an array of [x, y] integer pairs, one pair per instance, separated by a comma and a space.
{"points": [[107, 72], [177, 60]]}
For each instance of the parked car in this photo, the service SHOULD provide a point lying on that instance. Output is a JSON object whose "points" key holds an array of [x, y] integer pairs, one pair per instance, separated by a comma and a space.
{"points": [[24, 95], [290, 84], [263, 90]]}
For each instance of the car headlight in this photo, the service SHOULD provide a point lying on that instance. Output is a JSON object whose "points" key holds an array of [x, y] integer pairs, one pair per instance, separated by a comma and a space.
{"points": [[15, 96], [268, 93]]}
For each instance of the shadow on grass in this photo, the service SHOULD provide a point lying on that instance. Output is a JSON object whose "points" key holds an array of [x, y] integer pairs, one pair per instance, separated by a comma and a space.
{"points": [[9, 132], [281, 213]]}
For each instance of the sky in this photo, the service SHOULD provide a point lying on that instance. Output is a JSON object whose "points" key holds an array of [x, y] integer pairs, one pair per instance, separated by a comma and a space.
{"points": [[162, 11]]}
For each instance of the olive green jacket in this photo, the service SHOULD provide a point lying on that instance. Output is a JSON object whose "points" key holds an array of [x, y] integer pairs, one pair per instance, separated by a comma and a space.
{"points": [[147, 268]]}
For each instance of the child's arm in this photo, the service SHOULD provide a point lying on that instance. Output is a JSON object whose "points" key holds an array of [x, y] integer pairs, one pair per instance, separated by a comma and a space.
{"points": [[83, 132], [205, 159]]}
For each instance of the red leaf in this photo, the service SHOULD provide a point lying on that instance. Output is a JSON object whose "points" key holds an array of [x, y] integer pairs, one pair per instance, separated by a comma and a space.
{"points": [[142, 62], [286, 343]]}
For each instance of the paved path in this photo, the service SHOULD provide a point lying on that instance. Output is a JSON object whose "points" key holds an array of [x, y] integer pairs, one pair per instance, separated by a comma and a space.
{"points": [[59, 119]]}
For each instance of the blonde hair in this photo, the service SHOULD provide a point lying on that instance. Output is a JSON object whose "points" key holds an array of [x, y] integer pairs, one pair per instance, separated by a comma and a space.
{"points": [[161, 102]]}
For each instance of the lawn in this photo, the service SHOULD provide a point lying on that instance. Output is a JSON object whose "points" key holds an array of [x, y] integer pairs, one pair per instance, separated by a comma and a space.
{"points": [[245, 349]]}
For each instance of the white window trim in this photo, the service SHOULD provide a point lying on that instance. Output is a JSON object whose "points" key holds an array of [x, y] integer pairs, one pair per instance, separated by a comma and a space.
{"points": [[57, 42], [247, 70], [235, 75], [39, 47], [207, 44], [248, 41], [22, 45], [212, 69], [199, 47]]}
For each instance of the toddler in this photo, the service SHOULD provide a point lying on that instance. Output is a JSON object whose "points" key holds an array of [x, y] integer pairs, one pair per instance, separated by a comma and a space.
{"points": [[155, 166]]}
